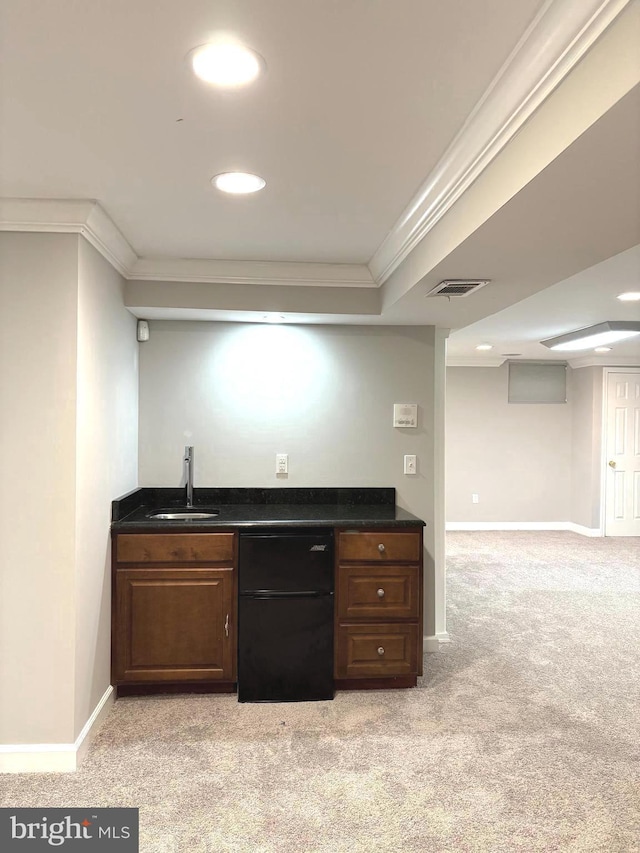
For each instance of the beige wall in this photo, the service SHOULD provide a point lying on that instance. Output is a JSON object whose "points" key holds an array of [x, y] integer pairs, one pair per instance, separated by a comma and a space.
{"points": [[240, 393], [107, 460], [516, 457], [68, 446], [38, 314]]}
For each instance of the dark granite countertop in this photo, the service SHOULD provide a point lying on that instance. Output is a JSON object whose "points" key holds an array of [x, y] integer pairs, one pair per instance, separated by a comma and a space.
{"points": [[323, 507]]}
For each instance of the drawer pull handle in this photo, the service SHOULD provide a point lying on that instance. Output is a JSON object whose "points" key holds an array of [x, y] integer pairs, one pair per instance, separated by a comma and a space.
{"points": [[381, 548], [380, 650], [226, 626], [381, 593]]}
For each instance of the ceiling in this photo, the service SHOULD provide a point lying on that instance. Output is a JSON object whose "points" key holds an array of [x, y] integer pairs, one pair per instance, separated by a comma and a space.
{"points": [[584, 299], [356, 107], [360, 102]]}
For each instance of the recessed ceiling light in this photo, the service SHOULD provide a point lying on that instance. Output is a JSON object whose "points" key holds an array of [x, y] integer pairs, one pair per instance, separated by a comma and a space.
{"points": [[629, 296], [484, 346], [602, 349], [239, 183], [226, 64]]}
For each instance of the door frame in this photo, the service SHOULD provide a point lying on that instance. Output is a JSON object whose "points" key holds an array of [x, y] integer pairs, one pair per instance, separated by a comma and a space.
{"points": [[604, 462]]}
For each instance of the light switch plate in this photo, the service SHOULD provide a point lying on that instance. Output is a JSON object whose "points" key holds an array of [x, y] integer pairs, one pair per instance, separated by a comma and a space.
{"points": [[405, 415]]}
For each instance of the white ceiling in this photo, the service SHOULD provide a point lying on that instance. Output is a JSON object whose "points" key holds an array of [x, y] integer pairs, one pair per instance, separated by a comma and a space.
{"points": [[360, 101], [581, 300]]}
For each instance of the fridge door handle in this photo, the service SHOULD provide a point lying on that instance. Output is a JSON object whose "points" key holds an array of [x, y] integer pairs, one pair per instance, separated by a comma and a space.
{"points": [[226, 626]]}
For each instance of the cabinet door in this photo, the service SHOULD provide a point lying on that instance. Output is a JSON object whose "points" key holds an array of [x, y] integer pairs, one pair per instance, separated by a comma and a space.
{"points": [[174, 624]]}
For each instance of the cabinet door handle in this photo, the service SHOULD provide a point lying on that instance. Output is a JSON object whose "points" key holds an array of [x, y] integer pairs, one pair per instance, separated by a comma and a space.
{"points": [[381, 548], [380, 593], [226, 626], [380, 650]]}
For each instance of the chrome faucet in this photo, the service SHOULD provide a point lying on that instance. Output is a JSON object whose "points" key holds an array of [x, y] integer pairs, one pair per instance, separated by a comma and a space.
{"points": [[188, 461]]}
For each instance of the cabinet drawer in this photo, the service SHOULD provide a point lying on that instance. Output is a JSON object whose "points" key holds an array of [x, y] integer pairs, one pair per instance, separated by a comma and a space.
{"points": [[369, 651], [381, 547], [174, 547], [378, 592]]}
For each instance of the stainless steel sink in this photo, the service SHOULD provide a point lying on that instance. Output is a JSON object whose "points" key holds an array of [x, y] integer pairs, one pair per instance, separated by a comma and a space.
{"points": [[182, 514]]}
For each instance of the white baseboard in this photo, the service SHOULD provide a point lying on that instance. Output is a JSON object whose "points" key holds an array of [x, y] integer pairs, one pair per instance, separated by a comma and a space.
{"points": [[55, 757], [524, 525], [38, 758], [433, 643], [92, 726], [584, 531]]}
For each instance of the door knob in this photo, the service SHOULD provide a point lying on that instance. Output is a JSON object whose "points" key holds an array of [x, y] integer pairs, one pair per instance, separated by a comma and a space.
{"points": [[612, 464]]}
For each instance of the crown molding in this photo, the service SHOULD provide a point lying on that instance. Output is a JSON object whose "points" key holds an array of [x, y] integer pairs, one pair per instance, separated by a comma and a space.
{"points": [[609, 361], [106, 237], [251, 272], [88, 218], [69, 216], [555, 41], [470, 361]]}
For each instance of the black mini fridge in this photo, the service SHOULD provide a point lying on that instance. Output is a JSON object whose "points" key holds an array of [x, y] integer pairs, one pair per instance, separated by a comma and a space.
{"points": [[285, 615]]}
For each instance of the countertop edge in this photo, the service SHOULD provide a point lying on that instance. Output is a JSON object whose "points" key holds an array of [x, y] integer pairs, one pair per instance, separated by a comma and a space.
{"points": [[180, 526]]}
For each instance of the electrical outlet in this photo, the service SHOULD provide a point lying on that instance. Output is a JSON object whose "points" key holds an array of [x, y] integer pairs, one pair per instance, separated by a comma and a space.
{"points": [[475, 498], [410, 464], [282, 463]]}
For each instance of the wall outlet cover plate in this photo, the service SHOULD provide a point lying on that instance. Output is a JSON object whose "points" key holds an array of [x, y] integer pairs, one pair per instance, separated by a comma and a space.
{"points": [[410, 464]]}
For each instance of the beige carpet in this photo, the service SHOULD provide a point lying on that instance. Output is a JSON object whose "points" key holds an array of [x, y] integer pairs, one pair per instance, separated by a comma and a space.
{"points": [[524, 734]]}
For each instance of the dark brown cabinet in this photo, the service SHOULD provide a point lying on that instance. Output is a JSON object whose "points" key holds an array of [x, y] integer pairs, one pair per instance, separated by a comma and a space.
{"points": [[378, 608], [174, 613], [174, 608]]}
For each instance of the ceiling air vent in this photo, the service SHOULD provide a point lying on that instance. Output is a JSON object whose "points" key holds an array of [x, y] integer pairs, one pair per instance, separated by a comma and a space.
{"points": [[458, 286]]}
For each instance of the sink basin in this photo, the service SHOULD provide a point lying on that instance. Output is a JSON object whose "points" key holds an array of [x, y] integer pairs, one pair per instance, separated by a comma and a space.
{"points": [[182, 514]]}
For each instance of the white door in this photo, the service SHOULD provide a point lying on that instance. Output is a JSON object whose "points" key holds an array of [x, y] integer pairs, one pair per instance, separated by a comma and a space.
{"points": [[622, 487]]}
